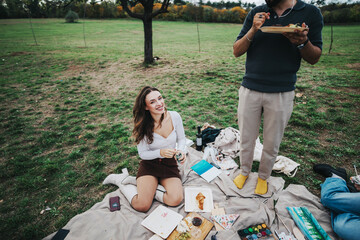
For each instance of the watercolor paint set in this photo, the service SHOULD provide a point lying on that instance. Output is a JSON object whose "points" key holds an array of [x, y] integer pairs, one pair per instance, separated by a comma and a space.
{"points": [[258, 231]]}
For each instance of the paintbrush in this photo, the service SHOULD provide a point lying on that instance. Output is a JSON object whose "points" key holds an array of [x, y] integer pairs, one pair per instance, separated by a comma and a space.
{"points": [[296, 232], [282, 222]]}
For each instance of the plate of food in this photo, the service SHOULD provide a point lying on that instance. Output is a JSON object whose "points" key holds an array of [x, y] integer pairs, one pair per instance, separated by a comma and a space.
{"points": [[281, 29], [198, 199]]}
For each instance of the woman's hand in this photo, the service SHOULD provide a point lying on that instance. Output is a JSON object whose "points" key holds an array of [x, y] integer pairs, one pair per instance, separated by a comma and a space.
{"points": [[167, 152], [182, 158]]}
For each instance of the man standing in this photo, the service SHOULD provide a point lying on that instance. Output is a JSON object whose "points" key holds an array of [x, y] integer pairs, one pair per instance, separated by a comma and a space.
{"points": [[267, 89]]}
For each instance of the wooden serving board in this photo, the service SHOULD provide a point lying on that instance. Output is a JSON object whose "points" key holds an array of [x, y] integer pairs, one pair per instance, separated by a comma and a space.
{"points": [[205, 227], [280, 29]]}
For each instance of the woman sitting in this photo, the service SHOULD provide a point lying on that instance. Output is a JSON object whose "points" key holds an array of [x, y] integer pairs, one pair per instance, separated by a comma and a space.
{"points": [[160, 139]]}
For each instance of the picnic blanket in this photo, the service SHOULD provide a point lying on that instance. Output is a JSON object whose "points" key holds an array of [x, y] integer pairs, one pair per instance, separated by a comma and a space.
{"points": [[99, 223]]}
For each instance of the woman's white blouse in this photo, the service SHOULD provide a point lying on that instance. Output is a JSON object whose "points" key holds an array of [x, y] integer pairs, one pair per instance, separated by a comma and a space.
{"points": [[177, 136]]}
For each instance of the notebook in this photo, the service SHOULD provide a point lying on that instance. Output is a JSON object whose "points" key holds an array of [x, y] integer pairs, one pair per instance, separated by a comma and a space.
{"points": [[206, 170]]}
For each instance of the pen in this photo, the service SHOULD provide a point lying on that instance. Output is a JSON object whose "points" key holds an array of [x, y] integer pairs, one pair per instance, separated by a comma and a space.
{"points": [[215, 165]]}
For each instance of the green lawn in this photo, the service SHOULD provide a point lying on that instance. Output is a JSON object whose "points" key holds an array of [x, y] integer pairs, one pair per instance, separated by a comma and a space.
{"points": [[66, 109]]}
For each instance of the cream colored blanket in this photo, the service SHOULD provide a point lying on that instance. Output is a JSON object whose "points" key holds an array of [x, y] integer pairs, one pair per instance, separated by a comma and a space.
{"points": [[99, 223]]}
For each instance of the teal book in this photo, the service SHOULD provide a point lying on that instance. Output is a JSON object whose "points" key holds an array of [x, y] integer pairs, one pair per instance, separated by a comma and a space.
{"points": [[206, 170], [307, 223]]}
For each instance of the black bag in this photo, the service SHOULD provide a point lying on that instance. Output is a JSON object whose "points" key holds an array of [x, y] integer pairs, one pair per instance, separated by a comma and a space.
{"points": [[209, 135]]}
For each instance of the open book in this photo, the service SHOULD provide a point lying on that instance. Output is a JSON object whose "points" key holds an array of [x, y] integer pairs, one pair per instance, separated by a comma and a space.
{"points": [[206, 170]]}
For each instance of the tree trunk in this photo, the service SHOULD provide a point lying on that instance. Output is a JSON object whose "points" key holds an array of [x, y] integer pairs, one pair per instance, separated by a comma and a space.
{"points": [[331, 39], [148, 49]]}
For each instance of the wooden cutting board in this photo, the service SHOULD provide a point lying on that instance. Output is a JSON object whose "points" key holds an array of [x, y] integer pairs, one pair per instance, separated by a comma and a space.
{"points": [[204, 228]]}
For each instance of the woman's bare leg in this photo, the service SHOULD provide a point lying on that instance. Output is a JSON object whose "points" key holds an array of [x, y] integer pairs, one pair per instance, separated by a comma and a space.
{"points": [[146, 187], [174, 191]]}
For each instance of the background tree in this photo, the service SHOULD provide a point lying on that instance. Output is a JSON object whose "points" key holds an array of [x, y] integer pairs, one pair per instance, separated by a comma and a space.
{"points": [[34, 8], [15, 9], [146, 18], [71, 17], [4, 13]]}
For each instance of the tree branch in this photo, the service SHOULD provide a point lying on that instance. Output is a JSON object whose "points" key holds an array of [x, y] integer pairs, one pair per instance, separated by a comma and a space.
{"points": [[131, 14], [143, 2], [66, 4], [163, 9]]}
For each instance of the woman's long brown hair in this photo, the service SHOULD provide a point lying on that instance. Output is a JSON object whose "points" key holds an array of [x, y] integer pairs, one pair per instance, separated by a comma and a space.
{"points": [[143, 121]]}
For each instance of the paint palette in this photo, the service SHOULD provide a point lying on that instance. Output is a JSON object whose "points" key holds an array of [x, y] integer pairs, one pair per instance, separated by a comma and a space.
{"points": [[259, 231]]}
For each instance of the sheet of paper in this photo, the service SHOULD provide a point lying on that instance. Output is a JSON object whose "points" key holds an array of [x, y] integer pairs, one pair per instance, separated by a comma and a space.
{"points": [[217, 211], [226, 163], [225, 220], [162, 221]]}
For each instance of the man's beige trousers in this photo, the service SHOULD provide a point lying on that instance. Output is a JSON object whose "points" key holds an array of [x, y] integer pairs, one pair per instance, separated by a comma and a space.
{"points": [[276, 109]]}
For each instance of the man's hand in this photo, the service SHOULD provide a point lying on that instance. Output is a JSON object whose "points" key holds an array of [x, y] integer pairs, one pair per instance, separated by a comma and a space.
{"points": [[259, 20], [298, 37], [242, 45], [309, 52]]}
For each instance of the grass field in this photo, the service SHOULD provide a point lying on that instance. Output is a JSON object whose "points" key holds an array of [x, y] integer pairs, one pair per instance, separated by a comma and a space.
{"points": [[66, 109]]}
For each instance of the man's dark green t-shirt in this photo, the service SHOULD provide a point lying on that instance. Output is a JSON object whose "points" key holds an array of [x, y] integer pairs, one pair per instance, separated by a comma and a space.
{"points": [[272, 60]]}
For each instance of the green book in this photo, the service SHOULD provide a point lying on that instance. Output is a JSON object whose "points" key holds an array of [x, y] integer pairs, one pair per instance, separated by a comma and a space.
{"points": [[307, 223]]}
